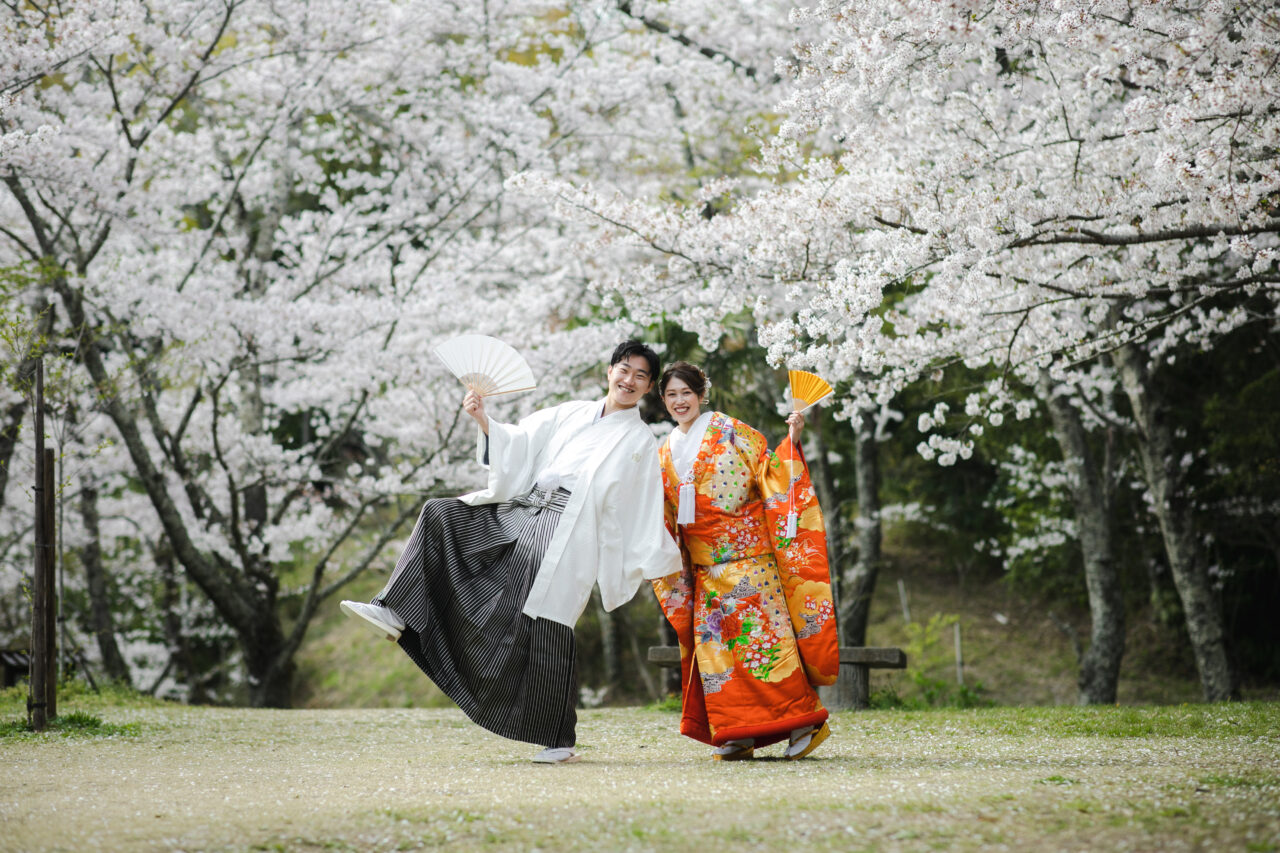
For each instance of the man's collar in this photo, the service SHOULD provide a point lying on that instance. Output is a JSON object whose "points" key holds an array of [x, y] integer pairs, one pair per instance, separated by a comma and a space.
{"points": [[633, 412]]}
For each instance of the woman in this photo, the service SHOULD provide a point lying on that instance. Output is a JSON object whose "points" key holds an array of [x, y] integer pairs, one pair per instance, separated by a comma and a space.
{"points": [[752, 606]]}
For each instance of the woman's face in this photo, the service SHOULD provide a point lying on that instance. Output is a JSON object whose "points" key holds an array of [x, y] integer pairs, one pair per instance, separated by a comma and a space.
{"points": [[682, 404]]}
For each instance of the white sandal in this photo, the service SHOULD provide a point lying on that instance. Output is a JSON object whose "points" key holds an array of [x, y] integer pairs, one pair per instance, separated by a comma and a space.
{"points": [[735, 750], [805, 741], [557, 755]]}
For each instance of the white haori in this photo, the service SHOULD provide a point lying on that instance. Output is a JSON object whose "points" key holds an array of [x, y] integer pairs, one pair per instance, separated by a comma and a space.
{"points": [[611, 532], [684, 447]]}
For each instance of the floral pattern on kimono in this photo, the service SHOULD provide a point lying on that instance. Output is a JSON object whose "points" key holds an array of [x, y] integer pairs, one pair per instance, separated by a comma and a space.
{"points": [[752, 607]]}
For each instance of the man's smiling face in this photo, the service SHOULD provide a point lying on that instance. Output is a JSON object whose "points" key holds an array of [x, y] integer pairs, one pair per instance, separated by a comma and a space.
{"points": [[629, 380]]}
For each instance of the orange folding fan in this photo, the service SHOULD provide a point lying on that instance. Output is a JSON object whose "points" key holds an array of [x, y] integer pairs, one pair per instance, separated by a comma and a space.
{"points": [[807, 390]]}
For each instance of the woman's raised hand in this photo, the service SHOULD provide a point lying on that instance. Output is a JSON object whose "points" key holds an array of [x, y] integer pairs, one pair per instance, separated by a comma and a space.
{"points": [[795, 424], [473, 404]]}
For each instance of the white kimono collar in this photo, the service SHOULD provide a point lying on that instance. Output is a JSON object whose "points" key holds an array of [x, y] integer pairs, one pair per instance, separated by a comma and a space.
{"points": [[685, 446], [623, 414]]}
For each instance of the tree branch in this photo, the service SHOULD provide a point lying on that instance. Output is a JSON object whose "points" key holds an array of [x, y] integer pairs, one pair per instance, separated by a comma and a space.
{"points": [[1097, 238], [624, 6]]}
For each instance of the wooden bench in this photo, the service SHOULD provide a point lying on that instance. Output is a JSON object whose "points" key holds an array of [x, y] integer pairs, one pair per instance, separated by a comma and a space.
{"points": [[851, 690]]}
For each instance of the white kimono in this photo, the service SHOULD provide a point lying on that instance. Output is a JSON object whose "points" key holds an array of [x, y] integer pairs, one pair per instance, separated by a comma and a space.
{"points": [[611, 533]]}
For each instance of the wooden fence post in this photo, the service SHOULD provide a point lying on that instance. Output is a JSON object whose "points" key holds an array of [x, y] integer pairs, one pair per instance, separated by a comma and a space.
{"points": [[50, 586], [37, 698]]}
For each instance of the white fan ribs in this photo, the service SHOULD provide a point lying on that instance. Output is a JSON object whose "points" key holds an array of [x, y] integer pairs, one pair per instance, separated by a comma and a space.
{"points": [[486, 365]]}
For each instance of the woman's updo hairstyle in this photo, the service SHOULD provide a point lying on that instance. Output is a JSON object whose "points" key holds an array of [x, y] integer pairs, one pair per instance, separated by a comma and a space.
{"points": [[690, 374]]}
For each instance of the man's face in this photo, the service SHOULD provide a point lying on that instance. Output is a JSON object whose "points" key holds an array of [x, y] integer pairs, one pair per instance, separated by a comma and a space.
{"points": [[629, 380]]}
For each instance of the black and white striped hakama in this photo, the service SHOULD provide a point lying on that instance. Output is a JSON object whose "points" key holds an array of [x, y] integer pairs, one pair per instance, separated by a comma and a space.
{"points": [[460, 585]]}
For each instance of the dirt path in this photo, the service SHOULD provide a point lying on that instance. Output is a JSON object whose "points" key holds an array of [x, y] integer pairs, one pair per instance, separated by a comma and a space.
{"points": [[214, 779]]}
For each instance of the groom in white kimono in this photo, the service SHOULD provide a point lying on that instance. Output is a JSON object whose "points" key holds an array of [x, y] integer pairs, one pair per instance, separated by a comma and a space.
{"points": [[487, 591]]}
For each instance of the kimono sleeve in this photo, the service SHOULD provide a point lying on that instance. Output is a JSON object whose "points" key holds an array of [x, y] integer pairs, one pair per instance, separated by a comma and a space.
{"points": [[513, 454], [783, 480], [675, 591], [647, 549], [675, 594]]}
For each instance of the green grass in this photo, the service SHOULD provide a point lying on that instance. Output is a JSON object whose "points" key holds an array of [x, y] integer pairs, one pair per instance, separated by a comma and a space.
{"points": [[74, 724], [81, 709], [1224, 720]]}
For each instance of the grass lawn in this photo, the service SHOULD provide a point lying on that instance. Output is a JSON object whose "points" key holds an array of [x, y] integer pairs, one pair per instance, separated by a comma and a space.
{"points": [[162, 777]]}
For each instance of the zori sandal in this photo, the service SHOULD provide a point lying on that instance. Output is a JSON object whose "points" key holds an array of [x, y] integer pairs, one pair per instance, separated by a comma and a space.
{"points": [[806, 742], [734, 750]]}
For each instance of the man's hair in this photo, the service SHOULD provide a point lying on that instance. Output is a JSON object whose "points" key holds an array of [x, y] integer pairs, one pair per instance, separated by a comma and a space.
{"points": [[626, 349], [690, 374]]}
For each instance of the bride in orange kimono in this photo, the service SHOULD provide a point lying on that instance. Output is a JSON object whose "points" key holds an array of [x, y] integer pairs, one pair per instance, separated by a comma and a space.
{"points": [[752, 606]]}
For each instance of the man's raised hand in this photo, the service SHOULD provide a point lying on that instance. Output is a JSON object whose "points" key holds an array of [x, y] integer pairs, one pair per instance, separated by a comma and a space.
{"points": [[473, 404]]}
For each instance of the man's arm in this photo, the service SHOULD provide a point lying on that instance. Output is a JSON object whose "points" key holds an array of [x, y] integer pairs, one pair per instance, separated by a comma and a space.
{"points": [[513, 454]]}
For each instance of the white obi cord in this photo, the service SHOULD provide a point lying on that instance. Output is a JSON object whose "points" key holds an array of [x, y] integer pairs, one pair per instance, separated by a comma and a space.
{"points": [[684, 448], [688, 497]]}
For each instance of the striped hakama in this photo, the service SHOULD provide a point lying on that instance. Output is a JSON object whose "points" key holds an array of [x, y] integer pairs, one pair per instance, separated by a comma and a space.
{"points": [[460, 585]]}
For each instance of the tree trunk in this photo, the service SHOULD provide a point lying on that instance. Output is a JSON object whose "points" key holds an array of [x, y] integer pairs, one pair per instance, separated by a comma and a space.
{"points": [[608, 647], [1091, 496], [9, 433], [824, 485], [854, 585], [249, 611], [180, 657], [866, 570], [100, 610], [270, 673], [251, 410], [1175, 511]]}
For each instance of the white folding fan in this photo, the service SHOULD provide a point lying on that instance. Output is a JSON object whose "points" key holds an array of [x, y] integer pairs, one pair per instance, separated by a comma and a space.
{"points": [[486, 365]]}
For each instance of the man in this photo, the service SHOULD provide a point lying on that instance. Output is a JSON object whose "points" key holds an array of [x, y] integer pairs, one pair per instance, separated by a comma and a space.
{"points": [[487, 591]]}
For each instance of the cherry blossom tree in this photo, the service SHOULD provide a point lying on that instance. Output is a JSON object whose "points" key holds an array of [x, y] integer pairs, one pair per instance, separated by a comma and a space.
{"points": [[255, 220], [259, 219], [1029, 188]]}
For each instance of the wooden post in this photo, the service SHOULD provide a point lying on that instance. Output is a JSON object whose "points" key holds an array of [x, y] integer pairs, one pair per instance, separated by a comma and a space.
{"points": [[51, 587], [37, 705], [959, 658], [671, 679]]}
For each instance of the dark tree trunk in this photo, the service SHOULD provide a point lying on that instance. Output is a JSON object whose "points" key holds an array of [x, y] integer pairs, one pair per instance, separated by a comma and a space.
{"points": [[824, 485], [100, 609], [1175, 511], [866, 570], [246, 600], [270, 675], [1091, 497], [12, 426], [608, 645], [853, 583]]}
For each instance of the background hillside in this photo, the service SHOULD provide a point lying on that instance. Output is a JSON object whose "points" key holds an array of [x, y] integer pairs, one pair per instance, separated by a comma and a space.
{"points": [[1016, 648]]}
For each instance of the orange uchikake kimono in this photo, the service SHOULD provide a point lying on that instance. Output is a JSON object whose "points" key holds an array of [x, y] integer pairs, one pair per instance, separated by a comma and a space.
{"points": [[752, 608]]}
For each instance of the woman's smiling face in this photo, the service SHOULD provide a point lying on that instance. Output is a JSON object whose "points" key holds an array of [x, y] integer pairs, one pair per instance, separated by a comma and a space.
{"points": [[682, 404]]}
